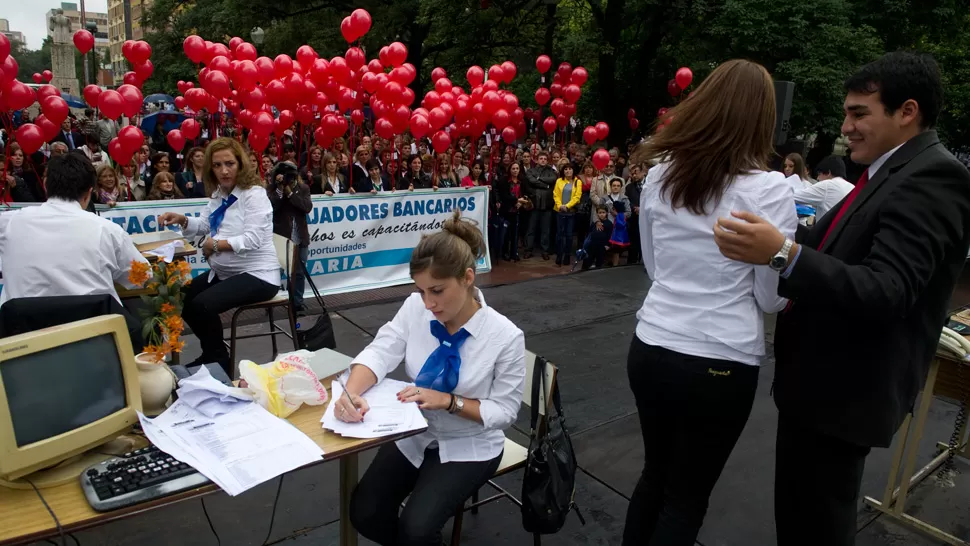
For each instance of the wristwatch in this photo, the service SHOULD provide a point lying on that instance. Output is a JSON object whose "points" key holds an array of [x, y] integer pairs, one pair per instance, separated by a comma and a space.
{"points": [[459, 405], [780, 260]]}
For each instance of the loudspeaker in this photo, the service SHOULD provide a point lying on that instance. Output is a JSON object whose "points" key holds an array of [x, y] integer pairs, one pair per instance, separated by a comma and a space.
{"points": [[784, 92]]}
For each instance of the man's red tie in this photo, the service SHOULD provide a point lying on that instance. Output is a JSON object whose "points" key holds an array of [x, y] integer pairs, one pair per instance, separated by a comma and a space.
{"points": [[845, 205]]}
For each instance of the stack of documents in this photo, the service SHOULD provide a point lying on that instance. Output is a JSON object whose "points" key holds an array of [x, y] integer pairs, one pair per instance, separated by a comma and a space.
{"points": [[209, 396], [387, 415], [236, 444]]}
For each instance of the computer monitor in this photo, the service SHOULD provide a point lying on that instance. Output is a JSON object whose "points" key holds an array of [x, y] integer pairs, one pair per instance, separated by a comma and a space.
{"points": [[64, 390]]}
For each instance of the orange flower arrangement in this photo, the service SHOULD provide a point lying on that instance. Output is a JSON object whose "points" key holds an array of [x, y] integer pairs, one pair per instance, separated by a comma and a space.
{"points": [[162, 323]]}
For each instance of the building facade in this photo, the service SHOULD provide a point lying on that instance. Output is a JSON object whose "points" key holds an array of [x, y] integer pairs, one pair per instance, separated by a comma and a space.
{"points": [[15, 36], [124, 23]]}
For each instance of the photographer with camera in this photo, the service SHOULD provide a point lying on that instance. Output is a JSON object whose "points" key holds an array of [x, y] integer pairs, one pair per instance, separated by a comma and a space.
{"points": [[290, 198]]}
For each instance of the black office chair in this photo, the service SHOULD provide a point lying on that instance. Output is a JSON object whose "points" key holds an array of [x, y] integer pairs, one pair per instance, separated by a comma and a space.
{"points": [[22, 315]]}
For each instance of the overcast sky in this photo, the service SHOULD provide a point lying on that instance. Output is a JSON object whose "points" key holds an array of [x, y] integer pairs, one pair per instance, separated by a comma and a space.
{"points": [[29, 16]]}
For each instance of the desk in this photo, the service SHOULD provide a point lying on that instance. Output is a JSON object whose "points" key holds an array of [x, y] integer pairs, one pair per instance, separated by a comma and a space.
{"points": [[24, 519], [942, 380]]}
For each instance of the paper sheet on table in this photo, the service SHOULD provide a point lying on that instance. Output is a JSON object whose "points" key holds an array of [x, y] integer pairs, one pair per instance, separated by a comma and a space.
{"points": [[237, 450], [209, 396], [167, 251], [387, 415]]}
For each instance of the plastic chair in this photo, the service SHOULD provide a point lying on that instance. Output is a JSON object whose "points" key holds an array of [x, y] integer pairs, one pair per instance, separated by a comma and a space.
{"points": [[284, 253]]}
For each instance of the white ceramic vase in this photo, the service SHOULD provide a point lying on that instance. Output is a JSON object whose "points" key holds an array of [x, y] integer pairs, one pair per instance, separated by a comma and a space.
{"points": [[157, 383]]}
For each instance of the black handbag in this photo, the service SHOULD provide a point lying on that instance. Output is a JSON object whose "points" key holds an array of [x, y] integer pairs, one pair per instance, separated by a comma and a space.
{"points": [[320, 335], [549, 483]]}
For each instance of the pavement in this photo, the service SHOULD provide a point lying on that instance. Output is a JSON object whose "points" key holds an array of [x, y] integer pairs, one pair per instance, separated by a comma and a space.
{"points": [[583, 323]]}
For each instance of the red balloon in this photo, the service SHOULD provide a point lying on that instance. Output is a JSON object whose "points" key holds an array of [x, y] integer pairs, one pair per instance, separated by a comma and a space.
{"points": [[8, 69], [564, 71], [631, 113], [673, 89], [660, 113], [283, 65], [347, 30], [45, 91], [141, 51], [360, 20], [126, 48], [180, 103], [437, 74], [509, 70], [590, 135], [443, 85], [190, 129], [220, 62], [543, 64], [634, 123], [83, 41], [397, 53], [543, 96], [549, 124], [357, 116], [130, 78], [37, 77], [683, 77], [143, 70], [48, 127], [219, 84], [245, 75], [384, 128], [555, 89], [437, 118], [496, 73], [501, 119], [558, 107], [355, 58], [339, 70], [601, 158], [440, 141], [194, 47], [571, 93], [602, 130], [18, 95], [47, 75], [420, 126], [579, 76], [306, 55], [4, 47], [130, 138], [262, 123], [245, 51], [509, 134], [562, 120], [475, 76], [266, 68], [55, 108], [133, 99], [492, 101], [258, 141], [30, 137]]}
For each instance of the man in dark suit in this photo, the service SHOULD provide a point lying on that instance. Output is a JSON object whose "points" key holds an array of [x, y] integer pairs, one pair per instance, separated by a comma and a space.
{"points": [[869, 289], [72, 139]]}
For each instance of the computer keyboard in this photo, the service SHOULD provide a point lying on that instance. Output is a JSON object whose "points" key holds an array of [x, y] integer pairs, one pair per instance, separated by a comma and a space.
{"points": [[136, 477]]}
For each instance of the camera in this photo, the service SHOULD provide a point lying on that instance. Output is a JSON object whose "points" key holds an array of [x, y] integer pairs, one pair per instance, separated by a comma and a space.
{"points": [[285, 174]]}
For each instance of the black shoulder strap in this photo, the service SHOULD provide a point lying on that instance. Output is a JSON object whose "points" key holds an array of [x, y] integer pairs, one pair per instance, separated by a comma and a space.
{"points": [[538, 381], [316, 293]]}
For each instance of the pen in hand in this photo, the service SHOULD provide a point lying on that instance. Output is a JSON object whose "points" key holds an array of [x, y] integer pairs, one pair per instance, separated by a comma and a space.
{"points": [[347, 393]]}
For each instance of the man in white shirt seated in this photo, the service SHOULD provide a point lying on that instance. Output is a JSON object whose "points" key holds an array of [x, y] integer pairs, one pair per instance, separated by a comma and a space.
{"points": [[830, 189], [59, 249]]}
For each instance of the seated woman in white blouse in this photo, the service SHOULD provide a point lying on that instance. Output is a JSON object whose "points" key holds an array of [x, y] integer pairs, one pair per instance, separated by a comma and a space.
{"points": [[243, 267], [693, 362], [468, 365]]}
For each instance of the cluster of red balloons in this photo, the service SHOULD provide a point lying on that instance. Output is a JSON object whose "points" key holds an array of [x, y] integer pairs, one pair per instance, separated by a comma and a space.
{"points": [[631, 117], [681, 81], [42, 77], [592, 133], [138, 54], [355, 25], [16, 95], [564, 92]]}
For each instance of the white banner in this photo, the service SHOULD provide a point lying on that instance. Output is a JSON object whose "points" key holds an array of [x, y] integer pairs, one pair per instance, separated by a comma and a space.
{"points": [[357, 242]]}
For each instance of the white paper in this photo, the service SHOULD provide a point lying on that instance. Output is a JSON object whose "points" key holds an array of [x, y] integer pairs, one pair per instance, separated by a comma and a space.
{"points": [[387, 415], [156, 236], [210, 397], [237, 450], [166, 252]]}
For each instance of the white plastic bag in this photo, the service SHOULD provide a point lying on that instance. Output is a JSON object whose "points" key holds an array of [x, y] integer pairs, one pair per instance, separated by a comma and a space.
{"points": [[285, 384]]}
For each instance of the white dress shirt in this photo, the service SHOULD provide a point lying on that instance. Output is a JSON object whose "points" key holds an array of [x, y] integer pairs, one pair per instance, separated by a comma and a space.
{"points": [[824, 195], [248, 228], [59, 249], [797, 183], [702, 303], [492, 372], [878, 163]]}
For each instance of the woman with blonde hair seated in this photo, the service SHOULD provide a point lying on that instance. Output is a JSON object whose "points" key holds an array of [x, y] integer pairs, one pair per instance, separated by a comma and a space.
{"points": [[243, 267]]}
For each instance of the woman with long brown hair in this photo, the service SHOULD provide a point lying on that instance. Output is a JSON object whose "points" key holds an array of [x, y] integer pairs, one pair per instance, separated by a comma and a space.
{"points": [[693, 362], [242, 259]]}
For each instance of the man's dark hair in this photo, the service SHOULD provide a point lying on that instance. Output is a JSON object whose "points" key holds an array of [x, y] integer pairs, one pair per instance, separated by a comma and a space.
{"points": [[899, 77], [833, 165], [70, 176], [372, 164], [88, 113], [289, 148]]}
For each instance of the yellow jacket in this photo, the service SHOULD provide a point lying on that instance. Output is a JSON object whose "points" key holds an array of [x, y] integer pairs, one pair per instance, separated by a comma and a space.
{"points": [[574, 197]]}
